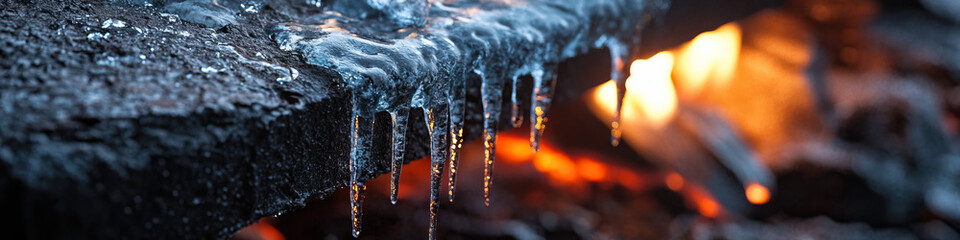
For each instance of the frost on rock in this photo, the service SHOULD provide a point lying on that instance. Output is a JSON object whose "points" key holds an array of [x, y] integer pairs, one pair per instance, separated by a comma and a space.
{"points": [[404, 12], [113, 23], [392, 66]]}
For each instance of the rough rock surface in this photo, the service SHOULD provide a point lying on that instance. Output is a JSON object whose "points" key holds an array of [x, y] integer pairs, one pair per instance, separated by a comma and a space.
{"points": [[178, 129]]}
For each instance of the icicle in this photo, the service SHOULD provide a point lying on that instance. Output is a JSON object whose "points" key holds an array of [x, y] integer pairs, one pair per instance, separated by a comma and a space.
{"points": [[357, 193], [491, 93], [618, 51], [359, 154], [543, 82], [516, 118], [399, 145], [456, 101], [437, 125]]}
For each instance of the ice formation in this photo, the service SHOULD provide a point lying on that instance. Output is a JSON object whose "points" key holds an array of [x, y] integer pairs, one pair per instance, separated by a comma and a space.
{"points": [[392, 66]]}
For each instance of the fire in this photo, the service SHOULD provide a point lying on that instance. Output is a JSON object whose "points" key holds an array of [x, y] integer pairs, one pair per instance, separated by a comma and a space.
{"points": [[591, 170], [514, 149], [555, 164], [704, 202], [566, 169], [659, 87], [710, 58], [649, 88], [757, 194], [652, 88], [259, 230]]}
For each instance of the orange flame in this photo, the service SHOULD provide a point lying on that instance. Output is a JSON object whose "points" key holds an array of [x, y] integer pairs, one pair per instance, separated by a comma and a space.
{"points": [[259, 230], [513, 149], [654, 89], [591, 170], [563, 168], [708, 59], [649, 89], [705, 204], [556, 164]]}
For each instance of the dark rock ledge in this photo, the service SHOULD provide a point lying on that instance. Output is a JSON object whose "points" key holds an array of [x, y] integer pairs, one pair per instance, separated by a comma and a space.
{"points": [[120, 121]]}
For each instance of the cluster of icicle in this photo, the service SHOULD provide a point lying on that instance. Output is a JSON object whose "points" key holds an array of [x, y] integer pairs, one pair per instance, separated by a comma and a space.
{"points": [[426, 67]]}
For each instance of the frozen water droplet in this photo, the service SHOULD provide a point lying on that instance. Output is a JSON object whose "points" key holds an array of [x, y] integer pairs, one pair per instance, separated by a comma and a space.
{"points": [[359, 155], [98, 36], [437, 121], [516, 118], [294, 73], [544, 81], [491, 93], [251, 6], [170, 17], [291, 73], [210, 70], [456, 102], [315, 3], [399, 145], [403, 12], [112, 23], [618, 52], [357, 190]]}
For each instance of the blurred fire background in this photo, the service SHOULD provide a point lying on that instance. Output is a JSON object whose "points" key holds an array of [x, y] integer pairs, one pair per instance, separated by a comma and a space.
{"points": [[820, 119]]}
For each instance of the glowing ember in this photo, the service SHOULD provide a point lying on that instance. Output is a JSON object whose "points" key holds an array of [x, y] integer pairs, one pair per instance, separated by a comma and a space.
{"points": [[705, 204], [757, 194], [591, 170], [556, 164], [565, 169], [259, 230], [674, 181], [512, 149]]}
